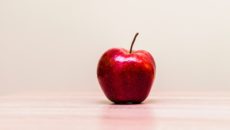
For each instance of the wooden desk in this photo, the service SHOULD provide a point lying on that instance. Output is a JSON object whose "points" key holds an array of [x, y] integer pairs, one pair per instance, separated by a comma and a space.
{"points": [[91, 110]]}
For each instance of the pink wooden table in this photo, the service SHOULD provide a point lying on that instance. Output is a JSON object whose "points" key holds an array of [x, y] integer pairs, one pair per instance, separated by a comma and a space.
{"points": [[62, 110]]}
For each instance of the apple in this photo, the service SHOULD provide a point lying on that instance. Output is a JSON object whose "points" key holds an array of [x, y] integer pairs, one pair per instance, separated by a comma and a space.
{"points": [[126, 76]]}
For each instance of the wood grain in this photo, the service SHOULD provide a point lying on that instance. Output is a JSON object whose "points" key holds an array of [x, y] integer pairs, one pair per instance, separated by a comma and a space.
{"points": [[63, 110]]}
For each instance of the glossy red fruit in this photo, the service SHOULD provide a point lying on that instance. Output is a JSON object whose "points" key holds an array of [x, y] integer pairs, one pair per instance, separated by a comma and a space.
{"points": [[126, 76]]}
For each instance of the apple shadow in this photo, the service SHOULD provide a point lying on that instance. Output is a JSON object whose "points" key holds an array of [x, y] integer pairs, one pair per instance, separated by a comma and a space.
{"points": [[107, 102], [104, 102]]}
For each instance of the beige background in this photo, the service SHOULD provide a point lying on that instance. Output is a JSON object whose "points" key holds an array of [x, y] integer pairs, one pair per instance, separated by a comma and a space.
{"points": [[55, 44]]}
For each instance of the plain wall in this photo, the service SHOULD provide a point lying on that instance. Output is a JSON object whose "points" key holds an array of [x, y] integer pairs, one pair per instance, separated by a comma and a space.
{"points": [[56, 44]]}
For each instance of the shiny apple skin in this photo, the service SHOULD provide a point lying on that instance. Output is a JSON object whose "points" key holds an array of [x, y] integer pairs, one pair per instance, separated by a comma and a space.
{"points": [[126, 77]]}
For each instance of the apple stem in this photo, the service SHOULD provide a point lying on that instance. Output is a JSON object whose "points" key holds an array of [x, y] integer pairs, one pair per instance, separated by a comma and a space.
{"points": [[134, 39]]}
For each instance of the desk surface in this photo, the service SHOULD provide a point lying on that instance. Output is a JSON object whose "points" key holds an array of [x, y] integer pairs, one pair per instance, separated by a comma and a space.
{"points": [[91, 110]]}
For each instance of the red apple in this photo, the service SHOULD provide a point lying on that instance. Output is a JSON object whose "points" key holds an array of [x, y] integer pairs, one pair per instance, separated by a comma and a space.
{"points": [[126, 76]]}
